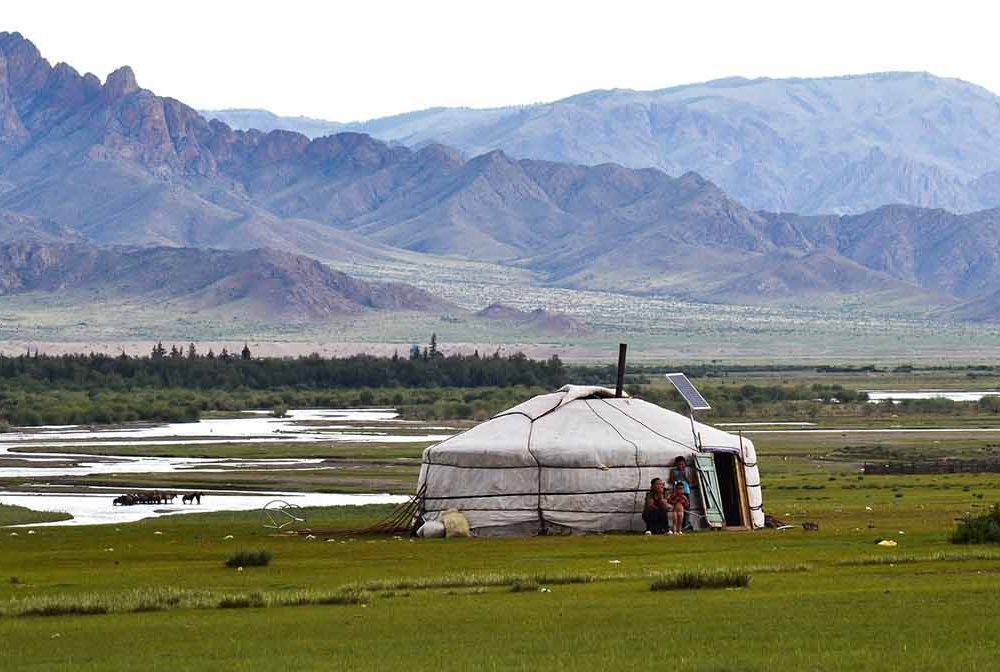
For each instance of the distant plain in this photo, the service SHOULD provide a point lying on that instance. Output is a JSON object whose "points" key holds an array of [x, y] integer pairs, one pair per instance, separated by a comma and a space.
{"points": [[658, 328]]}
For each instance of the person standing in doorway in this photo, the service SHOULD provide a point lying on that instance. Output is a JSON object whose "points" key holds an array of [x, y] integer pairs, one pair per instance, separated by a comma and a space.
{"points": [[679, 474]]}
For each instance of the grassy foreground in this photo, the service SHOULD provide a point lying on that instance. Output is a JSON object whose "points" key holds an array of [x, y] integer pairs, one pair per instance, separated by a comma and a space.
{"points": [[825, 600]]}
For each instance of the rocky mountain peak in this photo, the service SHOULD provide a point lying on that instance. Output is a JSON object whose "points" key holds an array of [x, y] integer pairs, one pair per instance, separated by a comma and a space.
{"points": [[12, 130], [120, 83], [440, 154], [26, 69]]}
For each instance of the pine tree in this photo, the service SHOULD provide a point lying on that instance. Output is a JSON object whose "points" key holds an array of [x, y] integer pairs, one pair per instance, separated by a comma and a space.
{"points": [[192, 351], [245, 354], [433, 350], [158, 350]]}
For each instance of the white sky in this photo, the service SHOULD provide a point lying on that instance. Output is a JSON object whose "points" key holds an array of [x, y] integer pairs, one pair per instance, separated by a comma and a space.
{"points": [[366, 58]]}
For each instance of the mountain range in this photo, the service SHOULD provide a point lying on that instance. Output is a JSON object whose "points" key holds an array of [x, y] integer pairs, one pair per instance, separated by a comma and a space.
{"points": [[813, 146], [114, 164]]}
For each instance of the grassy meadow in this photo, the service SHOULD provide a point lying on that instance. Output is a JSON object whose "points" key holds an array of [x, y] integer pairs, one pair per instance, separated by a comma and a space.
{"points": [[825, 600], [158, 594]]}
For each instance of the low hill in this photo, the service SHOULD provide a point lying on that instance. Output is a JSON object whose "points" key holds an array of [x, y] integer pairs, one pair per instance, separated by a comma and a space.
{"points": [[539, 319], [15, 226], [262, 284]]}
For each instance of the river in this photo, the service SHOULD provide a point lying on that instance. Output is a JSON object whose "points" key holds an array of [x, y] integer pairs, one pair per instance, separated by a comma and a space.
{"points": [[94, 505], [876, 396]]}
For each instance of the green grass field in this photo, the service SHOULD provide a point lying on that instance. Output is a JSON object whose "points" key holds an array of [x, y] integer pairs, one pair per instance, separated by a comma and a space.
{"points": [[826, 600]]}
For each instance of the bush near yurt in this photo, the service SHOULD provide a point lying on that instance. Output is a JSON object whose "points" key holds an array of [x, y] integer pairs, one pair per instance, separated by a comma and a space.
{"points": [[258, 558], [983, 528]]}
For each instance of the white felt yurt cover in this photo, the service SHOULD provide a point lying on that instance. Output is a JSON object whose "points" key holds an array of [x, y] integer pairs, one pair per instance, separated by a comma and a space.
{"points": [[576, 460]]}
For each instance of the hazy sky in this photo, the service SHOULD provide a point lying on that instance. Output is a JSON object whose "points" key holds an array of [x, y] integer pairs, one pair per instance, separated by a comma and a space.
{"points": [[355, 60]]}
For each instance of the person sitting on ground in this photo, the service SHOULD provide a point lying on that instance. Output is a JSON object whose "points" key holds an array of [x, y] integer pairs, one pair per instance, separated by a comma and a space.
{"points": [[679, 474], [679, 503], [654, 511]]}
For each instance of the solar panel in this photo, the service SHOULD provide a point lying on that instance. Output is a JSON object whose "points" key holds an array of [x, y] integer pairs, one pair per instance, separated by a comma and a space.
{"points": [[686, 390]]}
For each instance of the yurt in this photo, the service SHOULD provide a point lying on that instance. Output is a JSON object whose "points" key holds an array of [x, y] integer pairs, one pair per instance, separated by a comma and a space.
{"points": [[581, 460]]}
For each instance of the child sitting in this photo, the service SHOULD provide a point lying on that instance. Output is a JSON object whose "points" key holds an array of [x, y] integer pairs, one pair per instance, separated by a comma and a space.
{"points": [[679, 501]]}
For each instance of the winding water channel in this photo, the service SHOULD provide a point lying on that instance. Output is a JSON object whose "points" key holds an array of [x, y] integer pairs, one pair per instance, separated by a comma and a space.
{"points": [[90, 505]]}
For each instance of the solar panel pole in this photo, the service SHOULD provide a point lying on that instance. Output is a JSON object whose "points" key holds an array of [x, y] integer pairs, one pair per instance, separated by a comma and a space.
{"points": [[697, 439], [694, 401]]}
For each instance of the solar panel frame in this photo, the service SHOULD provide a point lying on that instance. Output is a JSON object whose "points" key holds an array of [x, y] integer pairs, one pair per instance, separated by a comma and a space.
{"points": [[688, 391]]}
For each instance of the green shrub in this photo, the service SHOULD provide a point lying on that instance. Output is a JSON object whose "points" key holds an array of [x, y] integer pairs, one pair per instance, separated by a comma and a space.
{"points": [[692, 580], [259, 558], [66, 610], [983, 528], [524, 586], [345, 597], [248, 601]]}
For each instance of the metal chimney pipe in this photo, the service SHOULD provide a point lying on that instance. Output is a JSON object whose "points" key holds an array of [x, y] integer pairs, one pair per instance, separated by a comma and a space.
{"points": [[622, 349]]}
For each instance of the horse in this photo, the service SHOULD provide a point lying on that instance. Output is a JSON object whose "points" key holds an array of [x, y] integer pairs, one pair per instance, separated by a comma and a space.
{"points": [[191, 498]]}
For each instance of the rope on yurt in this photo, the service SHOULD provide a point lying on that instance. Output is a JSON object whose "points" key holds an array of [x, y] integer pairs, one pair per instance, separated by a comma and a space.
{"points": [[638, 469], [637, 420], [747, 465], [538, 466], [743, 455], [397, 521]]}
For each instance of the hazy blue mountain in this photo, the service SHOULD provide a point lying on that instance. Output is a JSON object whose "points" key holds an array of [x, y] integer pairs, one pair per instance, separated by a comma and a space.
{"points": [[262, 120], [839, 144]]}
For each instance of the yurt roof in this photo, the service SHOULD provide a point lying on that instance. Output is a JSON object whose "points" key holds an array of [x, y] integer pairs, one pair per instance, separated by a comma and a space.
{"points": [[580, 426]]}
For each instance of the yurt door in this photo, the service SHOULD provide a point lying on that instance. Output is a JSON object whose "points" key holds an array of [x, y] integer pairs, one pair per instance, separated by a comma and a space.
{"points": [[708, 480]]}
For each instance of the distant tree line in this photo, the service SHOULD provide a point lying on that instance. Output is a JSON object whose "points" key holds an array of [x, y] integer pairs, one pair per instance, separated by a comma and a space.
{"points": [[61, 406], [188, 369]]}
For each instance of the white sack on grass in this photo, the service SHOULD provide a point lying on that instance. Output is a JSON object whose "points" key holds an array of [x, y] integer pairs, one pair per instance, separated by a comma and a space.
{"points": [[455, 524], [432, 529]]}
